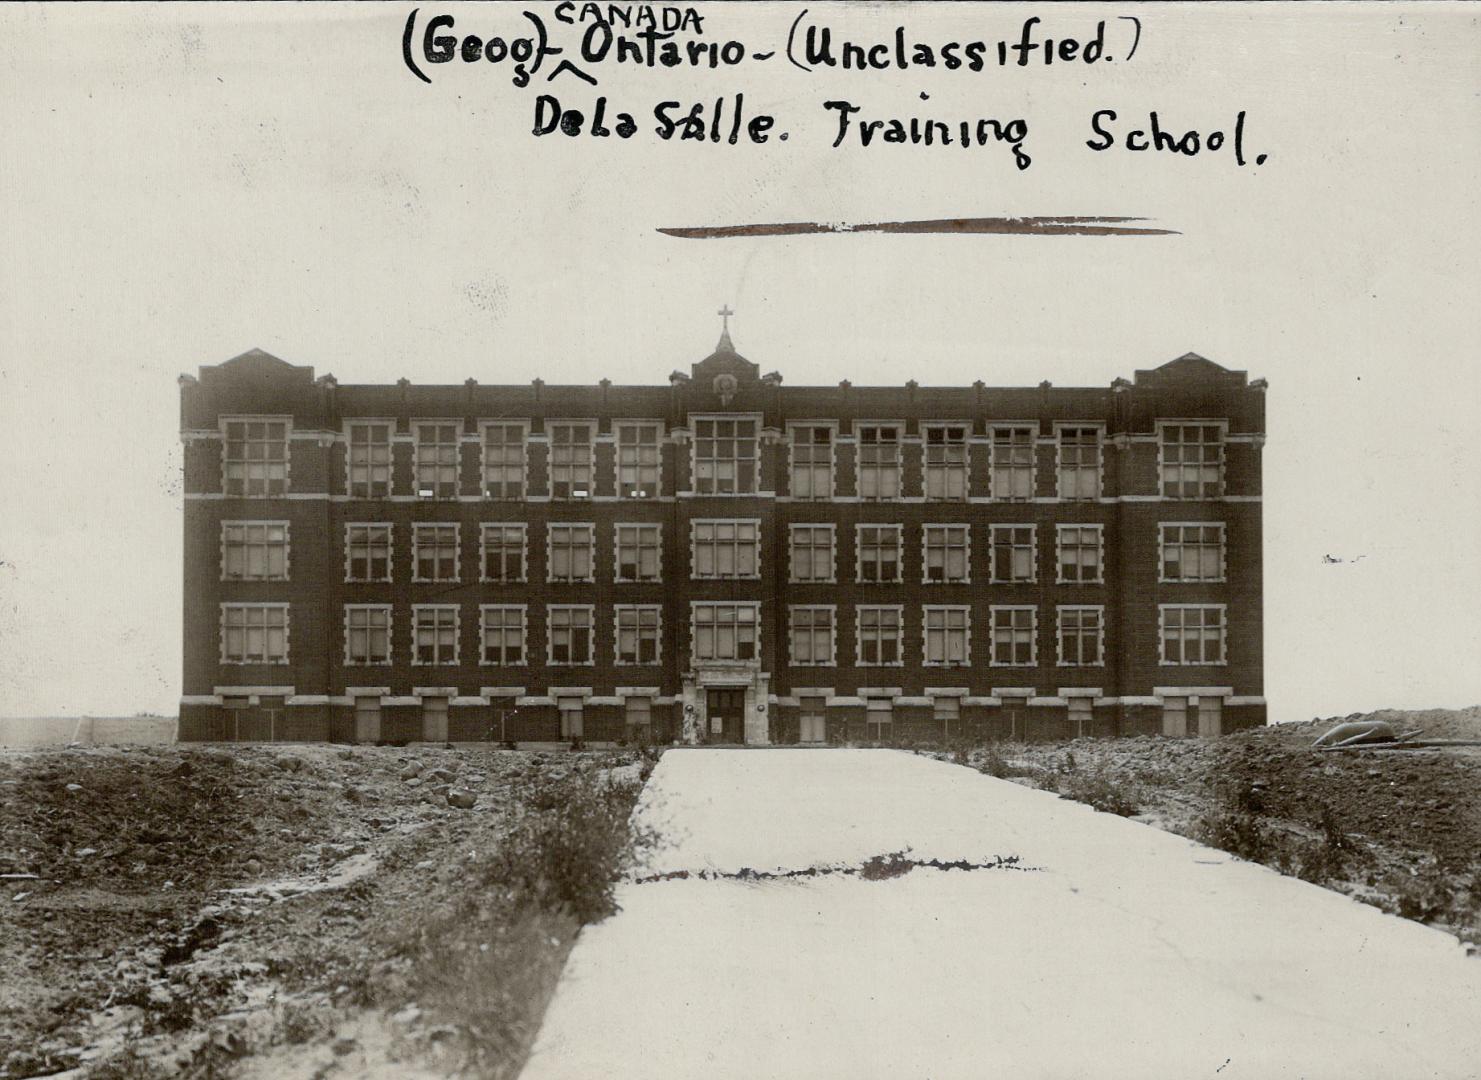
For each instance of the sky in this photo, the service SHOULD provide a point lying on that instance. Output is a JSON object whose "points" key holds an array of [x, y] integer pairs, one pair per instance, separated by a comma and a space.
{"points": [[184, 183]]}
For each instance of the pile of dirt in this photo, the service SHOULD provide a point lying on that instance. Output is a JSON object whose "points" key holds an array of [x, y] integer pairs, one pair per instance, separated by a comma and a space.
{"points": [[1422, 801], [1435, 723], [135, 819], [213, 902]]}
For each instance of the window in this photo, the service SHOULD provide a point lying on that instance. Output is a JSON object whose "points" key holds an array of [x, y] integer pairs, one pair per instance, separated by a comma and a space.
{"points": [[570, 460], [1013, 463], [367, 552], [948, 711], [434, 719], [879, 634], [812, 636], [726, 631], [270, 708], [1013, 636], [725, 455], [504, 545], [367, 719], [237, 708], [434, 552], [946, 553], [948, 636], [254, 551], [726, 549], [879, 553], [812, 461], [570, 552], [255, 458], [813, 720], [504, 460], [1081, 713], [639, 549], [368, 459], [638, 633], [639, 711], [1079, 462], [638, 461], [367, 633], [1080, 553], [879, 461], [502, 632], [1192, 634], [1192, 552], [254, 633], [879, 714], [811, 554], [1081, 637], [434, 633], [1013, 553], [572, 712], [946, 461], [570, 633], [436, 461], [1192, 458]]}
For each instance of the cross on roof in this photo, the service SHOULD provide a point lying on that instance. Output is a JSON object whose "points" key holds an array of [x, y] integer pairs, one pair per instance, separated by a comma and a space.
{"points": [[725, 313]]}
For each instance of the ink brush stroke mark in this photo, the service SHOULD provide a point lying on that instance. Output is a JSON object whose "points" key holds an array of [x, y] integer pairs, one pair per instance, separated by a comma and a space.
{"points": [[996, 226]]}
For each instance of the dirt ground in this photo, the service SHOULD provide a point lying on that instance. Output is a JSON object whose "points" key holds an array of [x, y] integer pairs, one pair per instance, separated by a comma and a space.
{"points": [[1400, 829], [319, 911], [261, 910]]}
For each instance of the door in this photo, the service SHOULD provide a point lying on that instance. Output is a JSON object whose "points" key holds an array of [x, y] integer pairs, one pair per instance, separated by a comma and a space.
{"points": [[813, 729], [726, 710], [1175, 716], [367, 720], [434, 719], [1210, 715]]}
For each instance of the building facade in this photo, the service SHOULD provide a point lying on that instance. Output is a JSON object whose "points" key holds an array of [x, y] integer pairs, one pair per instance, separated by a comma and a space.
{"points": [[719, 559]]}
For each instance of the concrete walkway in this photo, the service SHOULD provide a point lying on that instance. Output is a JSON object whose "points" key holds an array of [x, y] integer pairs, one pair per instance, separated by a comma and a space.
{"points": [[1124, 952]]}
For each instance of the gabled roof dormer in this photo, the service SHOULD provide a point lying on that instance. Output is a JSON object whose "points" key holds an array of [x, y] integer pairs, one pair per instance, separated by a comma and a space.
{"points": [[725, 372], [1190, 369], [254, 368]]}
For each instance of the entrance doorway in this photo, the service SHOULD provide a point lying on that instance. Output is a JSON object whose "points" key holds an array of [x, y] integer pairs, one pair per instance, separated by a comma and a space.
{"points": [[725, 709]]}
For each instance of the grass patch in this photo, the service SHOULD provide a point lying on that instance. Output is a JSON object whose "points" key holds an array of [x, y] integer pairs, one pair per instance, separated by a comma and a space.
{"points": [[483, 966], [1233, 823], [1098, 790], [995, 763]]}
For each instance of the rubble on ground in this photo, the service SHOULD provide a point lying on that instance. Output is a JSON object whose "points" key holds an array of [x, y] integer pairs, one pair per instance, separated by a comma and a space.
{"points": [[1401, 830], [189, 896]]}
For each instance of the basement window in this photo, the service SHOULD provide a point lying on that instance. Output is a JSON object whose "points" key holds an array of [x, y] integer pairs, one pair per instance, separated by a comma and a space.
{"points": [[572, 717], [639, 712], [879, 714]]}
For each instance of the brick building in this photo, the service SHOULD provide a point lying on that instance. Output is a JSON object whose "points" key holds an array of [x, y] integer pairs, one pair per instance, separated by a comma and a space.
{"points": [[720, 558]]}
